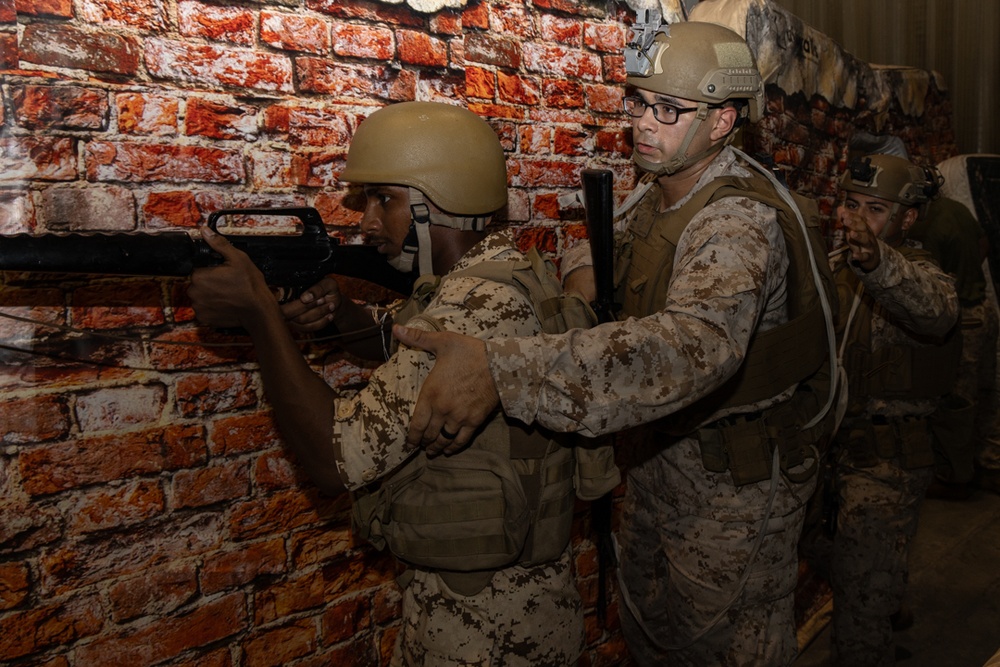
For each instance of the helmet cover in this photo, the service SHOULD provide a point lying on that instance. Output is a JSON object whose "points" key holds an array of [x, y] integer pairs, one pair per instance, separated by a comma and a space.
{"points": [[446, 152]]}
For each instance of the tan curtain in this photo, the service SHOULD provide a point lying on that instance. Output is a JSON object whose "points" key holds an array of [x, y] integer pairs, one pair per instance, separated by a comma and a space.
{"points": [[960, 39]]}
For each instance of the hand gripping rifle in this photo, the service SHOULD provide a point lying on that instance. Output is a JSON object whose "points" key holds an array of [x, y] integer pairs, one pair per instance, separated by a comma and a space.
{"points": [[290, 262], [598, 202]]}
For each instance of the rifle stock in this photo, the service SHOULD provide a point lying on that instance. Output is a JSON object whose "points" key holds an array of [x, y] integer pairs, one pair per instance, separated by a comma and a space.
{"points": [[293, 262]]}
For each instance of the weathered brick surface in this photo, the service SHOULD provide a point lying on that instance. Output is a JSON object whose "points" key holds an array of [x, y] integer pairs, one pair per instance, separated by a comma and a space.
{"points": [[151, 513]]}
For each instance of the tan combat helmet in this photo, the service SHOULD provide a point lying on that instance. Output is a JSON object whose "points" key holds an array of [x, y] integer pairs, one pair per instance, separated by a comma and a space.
{"points": [[704, 62], [445, 154], [449, 153], [888, 177]]}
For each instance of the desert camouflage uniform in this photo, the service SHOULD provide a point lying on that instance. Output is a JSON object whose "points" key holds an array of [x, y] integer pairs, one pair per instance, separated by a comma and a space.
{"points": [[526, 616], [686, 533], [879, 498]]}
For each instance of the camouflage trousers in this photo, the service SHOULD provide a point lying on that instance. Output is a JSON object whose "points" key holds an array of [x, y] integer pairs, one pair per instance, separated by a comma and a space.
{"points": [[687, 539], [879, 507], [526, 617]]}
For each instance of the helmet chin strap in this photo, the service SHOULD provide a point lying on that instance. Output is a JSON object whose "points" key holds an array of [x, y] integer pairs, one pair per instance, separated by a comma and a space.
{"points": [[417, 245], [681, 159]]}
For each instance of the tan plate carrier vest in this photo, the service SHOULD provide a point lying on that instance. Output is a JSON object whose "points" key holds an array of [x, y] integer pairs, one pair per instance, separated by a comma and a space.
{"points": [[790, 353], [897, 372], [508, 498]]}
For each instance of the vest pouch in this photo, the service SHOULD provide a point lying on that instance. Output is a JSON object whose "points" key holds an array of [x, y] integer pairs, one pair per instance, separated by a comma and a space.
{"points": [[713, 450], [462, 513], [954, 443], [883, 436], [596, 472], [749, 451], [553, 518], [860, 446], [916, 445]]}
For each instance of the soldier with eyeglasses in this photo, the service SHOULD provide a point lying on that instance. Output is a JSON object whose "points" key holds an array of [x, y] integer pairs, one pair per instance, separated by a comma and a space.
{"points": [[725, 461]]}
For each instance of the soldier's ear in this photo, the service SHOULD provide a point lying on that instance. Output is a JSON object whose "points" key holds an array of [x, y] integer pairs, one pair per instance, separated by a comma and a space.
{"points": [[909, 217], [725, 121]]}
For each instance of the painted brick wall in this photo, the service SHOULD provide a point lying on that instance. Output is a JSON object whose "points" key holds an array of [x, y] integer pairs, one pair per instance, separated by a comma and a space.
{"points": [[149, 513]]}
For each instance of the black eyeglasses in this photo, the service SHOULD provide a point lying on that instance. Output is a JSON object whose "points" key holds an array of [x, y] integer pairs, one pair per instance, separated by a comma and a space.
{"points": [[665, 113]]}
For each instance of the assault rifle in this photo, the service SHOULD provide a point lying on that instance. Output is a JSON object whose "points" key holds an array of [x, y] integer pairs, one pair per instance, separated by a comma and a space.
{"points": [[598, 203], [290, 262]]}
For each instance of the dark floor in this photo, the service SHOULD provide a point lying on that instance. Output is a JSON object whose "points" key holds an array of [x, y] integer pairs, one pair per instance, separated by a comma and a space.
{"points": [[954, 588]]}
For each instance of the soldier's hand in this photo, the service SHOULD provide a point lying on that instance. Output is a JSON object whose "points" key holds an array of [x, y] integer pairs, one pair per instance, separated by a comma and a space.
{"points": [[456, 397], [863, 243], [315, 308], [231, 293]]}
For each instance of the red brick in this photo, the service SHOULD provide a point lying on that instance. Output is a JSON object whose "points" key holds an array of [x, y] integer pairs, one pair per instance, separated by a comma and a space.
{"points": [[179, 208], [8, 11], [35, 419], [292, 32], [480, 82], [52, 468], [512, 20], [476, 16], [535, 139], [14, 584], [167, 637], [561, 62], [275, 470], [447, 22], [220, 481], [335, 211], [59, 8], [605, 37], [60, 108], [26, 632], [355, 84], [118, 408], [489, 50], [281, 645], [546, 205], [602, 98], [361, 41], [542, 238], [240, 566], [138, 163], [147, 114], [72, 566], [103, 207], [37, 158], [388, 601], [225, 24], [9, 56], [67, 46], [318, 545], [614, 69], [563, 94], [545, 173], [242, 433], [25, 525], [419, 48], [573, 142], [184, 446], [372, 11], [216, 392], [218, 66], [517, 89], [309, 126], [497, 111], [614, 141], [316, 588], [154, 593], [149, 15], [217, 120], [105, 508], [274, 514], [346, 619], [566, 31]]}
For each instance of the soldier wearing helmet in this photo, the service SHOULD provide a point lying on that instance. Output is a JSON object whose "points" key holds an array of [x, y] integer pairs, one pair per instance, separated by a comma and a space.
{"points": [[899, 348], [484, 533], [704, 260]]}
